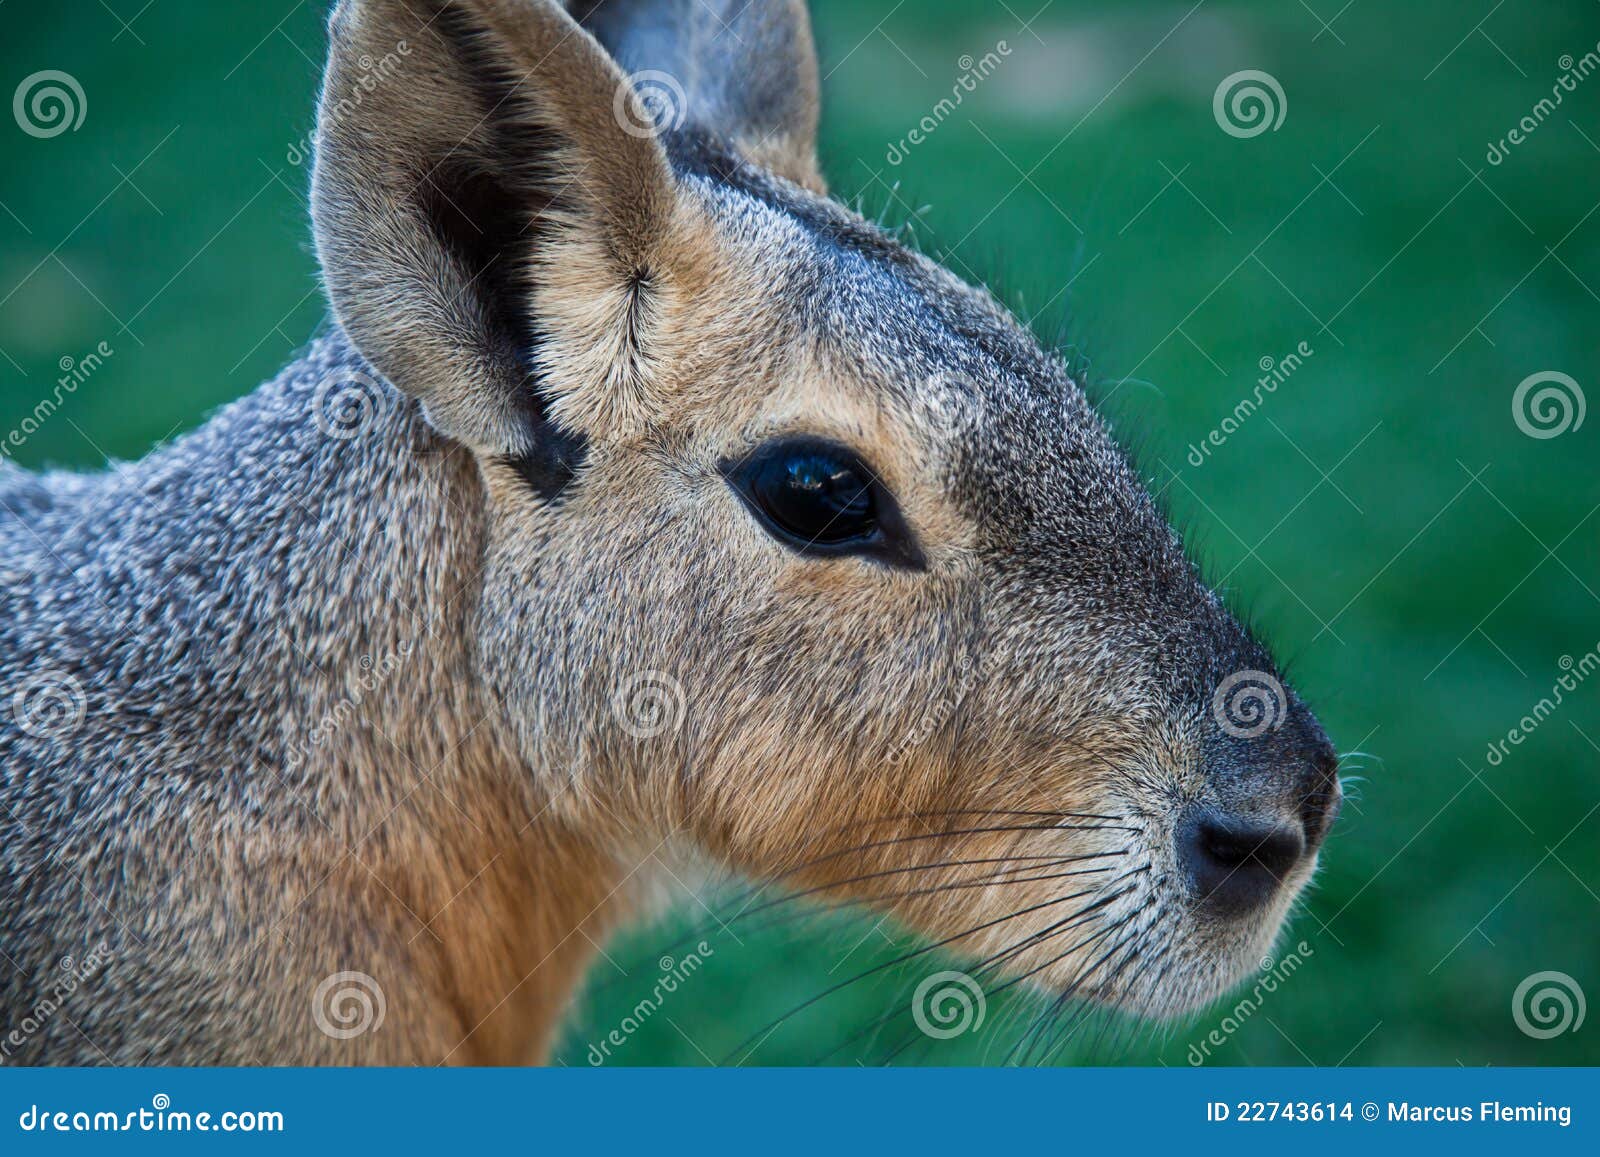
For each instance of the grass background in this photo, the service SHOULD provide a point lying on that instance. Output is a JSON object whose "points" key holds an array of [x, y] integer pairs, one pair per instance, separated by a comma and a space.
{"points": [[1423, 564]]}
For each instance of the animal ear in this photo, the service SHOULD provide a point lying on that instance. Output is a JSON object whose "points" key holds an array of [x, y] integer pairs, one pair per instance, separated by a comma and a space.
{"points": [[462, 143], [745, 70]]}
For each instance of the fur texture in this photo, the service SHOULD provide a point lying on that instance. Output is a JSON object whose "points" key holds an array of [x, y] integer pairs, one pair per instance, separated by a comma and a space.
{"points": [[424, 659]]}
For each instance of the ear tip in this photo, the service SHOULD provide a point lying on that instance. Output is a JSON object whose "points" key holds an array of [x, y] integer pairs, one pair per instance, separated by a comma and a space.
{"points": [[348, 18], [743, 70], [339, 17]]}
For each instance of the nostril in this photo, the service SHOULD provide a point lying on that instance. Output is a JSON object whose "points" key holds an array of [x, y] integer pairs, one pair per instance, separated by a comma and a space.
{"points": [[1273, 849], [1235, 863]]}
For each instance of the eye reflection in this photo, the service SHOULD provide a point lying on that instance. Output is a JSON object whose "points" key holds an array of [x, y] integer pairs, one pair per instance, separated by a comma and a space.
{"points": [[819, 498]]}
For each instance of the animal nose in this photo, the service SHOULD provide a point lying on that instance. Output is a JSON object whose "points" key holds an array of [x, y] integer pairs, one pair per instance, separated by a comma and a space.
{"points": [[1320, 805], [1235, 864]]}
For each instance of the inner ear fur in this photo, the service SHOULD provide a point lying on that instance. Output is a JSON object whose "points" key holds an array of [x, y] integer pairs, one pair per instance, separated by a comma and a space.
{"points": [[460, 143]]}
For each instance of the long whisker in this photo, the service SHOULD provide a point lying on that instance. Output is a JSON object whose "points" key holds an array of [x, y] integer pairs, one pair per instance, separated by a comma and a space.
{"points": [[1127, 1028], [1058, 1036], [1171, 951], [1046, 1021], [1048, 861], [1038, 813], [1079, 946], [1065, 924], [1146, 938], [991, 880], [1051, 861], [1059, 927], [978, 831], [859, 848], [747, 1046], [1064, 998]]}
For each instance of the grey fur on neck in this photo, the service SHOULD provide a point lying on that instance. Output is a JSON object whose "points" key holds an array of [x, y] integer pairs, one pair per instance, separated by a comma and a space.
{"points": [[244, 618]]}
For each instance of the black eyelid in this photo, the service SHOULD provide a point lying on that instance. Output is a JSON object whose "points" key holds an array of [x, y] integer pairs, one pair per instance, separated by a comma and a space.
{"points": [[891, 542]]}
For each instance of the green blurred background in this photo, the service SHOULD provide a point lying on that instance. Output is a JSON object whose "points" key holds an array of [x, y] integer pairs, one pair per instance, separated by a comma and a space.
{"points": [[1423, 563]]}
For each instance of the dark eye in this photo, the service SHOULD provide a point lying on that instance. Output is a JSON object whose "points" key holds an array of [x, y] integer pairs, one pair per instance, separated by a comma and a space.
{"points": [[814, 495], [820, 499]]}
